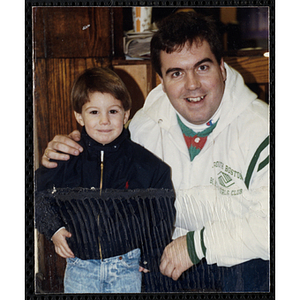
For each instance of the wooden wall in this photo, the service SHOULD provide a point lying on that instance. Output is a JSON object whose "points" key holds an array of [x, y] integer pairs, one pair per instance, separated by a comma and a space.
{"points": [[255, 71]]}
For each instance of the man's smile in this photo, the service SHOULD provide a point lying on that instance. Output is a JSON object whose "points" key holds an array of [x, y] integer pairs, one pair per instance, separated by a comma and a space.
{"points": [[195, 99]]}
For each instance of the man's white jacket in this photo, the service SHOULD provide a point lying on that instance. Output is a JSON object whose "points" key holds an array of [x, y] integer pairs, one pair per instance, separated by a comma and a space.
{"points": [[225, 189]]}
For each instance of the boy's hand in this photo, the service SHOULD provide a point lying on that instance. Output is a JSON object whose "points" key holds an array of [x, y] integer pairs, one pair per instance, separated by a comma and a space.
{"points": [[63, 143], [61, 246], [141, 269]]}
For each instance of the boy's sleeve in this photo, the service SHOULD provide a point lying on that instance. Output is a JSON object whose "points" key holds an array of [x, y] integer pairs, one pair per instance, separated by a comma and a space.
{"points": [[162, 177], [46, 179], [160, 218], [47, 216], [158, 226]]}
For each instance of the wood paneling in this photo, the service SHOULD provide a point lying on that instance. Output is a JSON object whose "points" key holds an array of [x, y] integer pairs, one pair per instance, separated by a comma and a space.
{"points": [[72, 32], [139, 79], [254, 69]]}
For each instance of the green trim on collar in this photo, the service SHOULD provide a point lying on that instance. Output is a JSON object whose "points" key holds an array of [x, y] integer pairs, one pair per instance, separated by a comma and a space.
{"points": [[193, 151], [194, 148], [189, 132]]}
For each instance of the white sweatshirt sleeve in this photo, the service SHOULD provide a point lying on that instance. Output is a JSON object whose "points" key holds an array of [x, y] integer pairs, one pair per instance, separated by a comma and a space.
{"points": [[232, 230]]}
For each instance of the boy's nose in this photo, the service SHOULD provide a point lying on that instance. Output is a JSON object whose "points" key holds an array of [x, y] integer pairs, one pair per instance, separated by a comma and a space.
{"points": [[104, 120]]}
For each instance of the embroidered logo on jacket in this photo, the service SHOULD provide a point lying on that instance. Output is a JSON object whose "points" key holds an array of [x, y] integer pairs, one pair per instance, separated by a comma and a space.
{"points": [[225, 177], [225, 180]]}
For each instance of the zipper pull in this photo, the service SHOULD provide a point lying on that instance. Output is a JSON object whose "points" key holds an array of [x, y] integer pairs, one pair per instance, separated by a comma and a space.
{"points": [[101, 183], [101, 166]]}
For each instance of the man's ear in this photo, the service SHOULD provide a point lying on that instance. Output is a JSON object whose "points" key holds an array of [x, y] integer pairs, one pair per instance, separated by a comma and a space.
{"points": [[223, 70], [79, 118], [126, 116], [162, 82]]}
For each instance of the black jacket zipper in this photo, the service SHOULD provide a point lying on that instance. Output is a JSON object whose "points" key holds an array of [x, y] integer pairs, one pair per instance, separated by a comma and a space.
{"points": [[101, 185]]}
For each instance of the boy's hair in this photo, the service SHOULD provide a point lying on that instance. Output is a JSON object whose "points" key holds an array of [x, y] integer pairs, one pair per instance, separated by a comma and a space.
{"points": [[101, 80], [184, 27]]}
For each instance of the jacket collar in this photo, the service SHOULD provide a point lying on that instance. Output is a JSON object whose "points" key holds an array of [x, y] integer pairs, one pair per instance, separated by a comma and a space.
{"points": [[94, 147]]}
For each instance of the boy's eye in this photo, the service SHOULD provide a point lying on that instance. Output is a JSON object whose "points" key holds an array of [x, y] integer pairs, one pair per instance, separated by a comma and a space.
{"points": [[113, 111], [93, 112]]}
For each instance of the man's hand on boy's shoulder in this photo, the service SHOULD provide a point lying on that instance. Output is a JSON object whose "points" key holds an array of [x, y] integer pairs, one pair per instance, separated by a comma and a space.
{"points": [[65, 144]]}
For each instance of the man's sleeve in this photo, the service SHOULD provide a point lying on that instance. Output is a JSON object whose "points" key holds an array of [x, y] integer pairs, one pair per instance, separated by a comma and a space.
{"points": [[232, 241], [228, 234], [236, 240]]}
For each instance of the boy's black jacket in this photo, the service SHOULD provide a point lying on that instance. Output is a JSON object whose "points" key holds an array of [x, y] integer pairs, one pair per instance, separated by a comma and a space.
{"points": [[135, 208]]}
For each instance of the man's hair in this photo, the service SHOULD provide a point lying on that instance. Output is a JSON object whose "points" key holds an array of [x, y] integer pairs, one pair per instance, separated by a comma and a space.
{"points": [[101, 80], [179, 29]]}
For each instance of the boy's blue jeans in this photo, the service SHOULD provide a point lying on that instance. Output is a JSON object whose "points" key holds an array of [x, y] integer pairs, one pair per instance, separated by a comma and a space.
{"points": [[119, 274]]}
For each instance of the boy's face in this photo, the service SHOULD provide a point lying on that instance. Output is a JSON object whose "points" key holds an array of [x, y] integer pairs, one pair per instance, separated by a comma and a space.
{"points": [[103, 117], [193, 81]]}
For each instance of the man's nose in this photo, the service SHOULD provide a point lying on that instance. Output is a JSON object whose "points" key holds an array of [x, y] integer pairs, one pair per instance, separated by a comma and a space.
{"points": [[192, 81]]}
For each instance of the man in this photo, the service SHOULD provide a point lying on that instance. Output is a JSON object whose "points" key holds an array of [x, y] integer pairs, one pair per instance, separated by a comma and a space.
{"points": [[213, 132]]}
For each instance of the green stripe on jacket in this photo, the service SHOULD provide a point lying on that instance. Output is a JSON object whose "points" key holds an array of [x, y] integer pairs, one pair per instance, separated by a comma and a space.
{"points": [[254, 160]]}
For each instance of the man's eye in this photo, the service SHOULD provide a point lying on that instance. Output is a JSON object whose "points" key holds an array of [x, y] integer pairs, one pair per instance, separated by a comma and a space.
{"points": [[203, 68], [176, 74]]}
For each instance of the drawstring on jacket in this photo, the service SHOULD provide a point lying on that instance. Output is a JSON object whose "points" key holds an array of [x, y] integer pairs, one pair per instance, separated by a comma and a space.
{"points": [[161, 136]]}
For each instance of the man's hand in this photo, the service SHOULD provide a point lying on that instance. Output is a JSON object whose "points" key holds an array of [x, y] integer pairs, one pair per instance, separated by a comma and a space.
{"points": [[63, 143], [61, 246], [175, 259]]}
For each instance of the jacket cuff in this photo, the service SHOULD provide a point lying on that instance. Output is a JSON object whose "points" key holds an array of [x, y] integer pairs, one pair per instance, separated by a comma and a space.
{"points": [[195, 246], [151, 260], [63, 227]]}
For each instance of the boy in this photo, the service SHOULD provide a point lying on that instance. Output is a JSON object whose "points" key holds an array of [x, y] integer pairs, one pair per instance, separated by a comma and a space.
{"points": [[104, 247]]}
